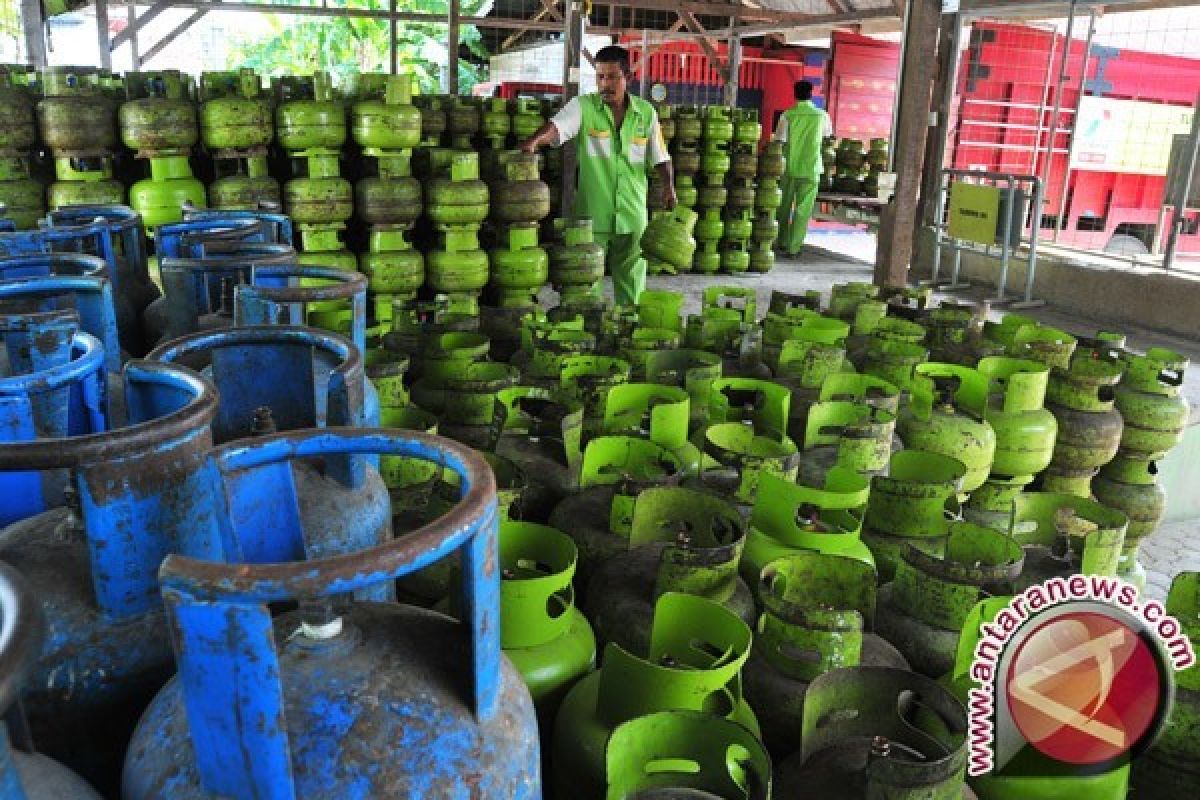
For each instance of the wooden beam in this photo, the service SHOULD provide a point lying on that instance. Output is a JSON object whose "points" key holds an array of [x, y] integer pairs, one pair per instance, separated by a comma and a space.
{"points": [[551, 8], [895, 242], [165, 41], [142, 21], [517, 35], [793, 21]]}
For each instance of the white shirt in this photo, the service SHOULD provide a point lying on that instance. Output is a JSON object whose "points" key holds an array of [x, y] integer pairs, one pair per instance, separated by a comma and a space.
{"points": [[569, 120], [781, 129]]}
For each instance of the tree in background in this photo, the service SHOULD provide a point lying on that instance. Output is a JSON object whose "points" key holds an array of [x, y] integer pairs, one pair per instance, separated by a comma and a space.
{"points": [[346, 46]]}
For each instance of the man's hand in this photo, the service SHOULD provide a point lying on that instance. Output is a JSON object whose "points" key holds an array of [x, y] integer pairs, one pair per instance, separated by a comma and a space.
{"points": [[529, 145]]}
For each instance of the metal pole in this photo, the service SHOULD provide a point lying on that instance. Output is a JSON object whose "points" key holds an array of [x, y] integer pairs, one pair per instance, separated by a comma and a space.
{"points": [[1054, 116], [1041, 112], [452, 50], [1006, 247], [1029, 302], [1060, 217], [102, 41], [34, 25], [645, 65], [131, 20], [940, 205], [573, 21], [392, 40], [733, 65], [1185, 187]]}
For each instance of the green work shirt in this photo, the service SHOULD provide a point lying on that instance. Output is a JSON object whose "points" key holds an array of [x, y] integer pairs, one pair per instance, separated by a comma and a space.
{"points": [[613, 166], [801, 129]]}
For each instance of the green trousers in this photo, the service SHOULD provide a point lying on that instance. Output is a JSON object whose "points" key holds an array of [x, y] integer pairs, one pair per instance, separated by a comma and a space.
{"points": [[799, 194], [623, 260]]}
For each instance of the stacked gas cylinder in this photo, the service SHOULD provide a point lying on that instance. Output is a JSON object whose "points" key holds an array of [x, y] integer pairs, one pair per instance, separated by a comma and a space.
{"points": [[310, 127], [730, 187], [237, 128], [77, 122], [22, 196], [387, 127], [851, 169]]}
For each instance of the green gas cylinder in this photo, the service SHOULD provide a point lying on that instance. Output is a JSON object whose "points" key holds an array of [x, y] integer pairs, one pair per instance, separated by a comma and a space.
{"points": [[686, 755], [658, 413], [75, 117], [1150, 402], [853, 435], [668, 238], [746, 436], [526, 117], [1082, 399], [589, 379], [818, 614], [545, 636], [946, 414], [614, 471], [1063, 535], [696, 653], [923, 609], [24, 198], [539, 430], [913, 504], [576, 262], [856, 723], [308, 117], [681, 540], [236, 114], [788, 517], [688, 124], [1025, 431]]}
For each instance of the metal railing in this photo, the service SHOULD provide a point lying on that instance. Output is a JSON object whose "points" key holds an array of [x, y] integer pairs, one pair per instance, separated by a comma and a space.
{"points": [[1005, 247]]}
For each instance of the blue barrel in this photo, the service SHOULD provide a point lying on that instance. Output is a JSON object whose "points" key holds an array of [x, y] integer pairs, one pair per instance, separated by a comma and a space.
{"points": [[25, 774], [136, 493], [339, 699]]}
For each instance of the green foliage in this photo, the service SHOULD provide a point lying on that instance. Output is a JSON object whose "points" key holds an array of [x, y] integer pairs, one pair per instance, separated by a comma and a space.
{"points": [[346, 46]]}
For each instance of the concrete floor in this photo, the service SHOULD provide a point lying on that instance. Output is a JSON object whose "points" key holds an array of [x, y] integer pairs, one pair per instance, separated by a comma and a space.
{"points": [[831, 258]]}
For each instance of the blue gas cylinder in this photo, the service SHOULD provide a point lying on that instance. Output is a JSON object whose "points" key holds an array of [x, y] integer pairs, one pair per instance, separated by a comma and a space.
{"points": [[112, 235], [199, 261], [124, 249], [25, 774], [280, 294], [133, 493], [284, 377], [341, 698]]}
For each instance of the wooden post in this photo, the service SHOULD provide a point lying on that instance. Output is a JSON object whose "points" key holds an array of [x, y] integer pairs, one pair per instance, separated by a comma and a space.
{"points": [[920, 59]]}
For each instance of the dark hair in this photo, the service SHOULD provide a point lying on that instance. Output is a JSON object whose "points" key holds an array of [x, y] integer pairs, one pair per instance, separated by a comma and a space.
{"points": [[803, 90], [612, 54]]}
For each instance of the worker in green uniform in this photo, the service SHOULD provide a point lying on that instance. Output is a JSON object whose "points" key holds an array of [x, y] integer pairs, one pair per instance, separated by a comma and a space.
{"points": [[619, 142], [801, 128]]}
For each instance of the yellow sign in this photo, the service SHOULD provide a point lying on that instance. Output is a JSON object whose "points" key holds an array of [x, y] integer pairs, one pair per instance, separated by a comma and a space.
{"points": [[1126, 135], [974, 212]]}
